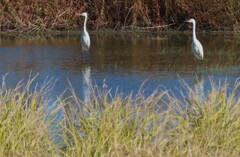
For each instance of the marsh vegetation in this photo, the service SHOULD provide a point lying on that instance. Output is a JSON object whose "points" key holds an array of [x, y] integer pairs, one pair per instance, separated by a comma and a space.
{"points": [[114, 125], [42, 15]]}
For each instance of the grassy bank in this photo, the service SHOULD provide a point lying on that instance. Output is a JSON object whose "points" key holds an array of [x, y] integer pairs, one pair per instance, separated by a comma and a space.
{"points": [[106, 125], [42, 15]]}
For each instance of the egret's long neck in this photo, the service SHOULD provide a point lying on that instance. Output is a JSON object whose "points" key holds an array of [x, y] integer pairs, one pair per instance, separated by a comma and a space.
{"points": [[194, 31], [85, 23]]}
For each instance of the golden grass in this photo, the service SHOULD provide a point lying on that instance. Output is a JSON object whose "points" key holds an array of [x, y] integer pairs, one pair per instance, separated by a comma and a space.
{"points": [[23, 126], [106, 125]]}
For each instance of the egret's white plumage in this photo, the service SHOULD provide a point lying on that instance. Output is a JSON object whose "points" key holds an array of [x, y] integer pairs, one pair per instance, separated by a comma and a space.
{"points": [[85, 38], [196, 45]]}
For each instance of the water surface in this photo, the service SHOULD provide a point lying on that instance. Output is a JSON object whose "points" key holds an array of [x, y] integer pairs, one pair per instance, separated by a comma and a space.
{"points": [[123, 61]]}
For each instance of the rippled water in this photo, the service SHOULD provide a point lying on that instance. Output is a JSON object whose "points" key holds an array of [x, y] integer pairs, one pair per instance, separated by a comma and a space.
{"points": [[123, 61]]}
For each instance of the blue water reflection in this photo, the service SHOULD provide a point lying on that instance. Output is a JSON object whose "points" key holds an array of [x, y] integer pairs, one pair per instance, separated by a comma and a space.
{"points": [[124, 61]]}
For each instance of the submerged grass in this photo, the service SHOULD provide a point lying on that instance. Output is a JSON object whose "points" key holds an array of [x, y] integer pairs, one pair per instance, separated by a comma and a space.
{"points": [[107, 125]]}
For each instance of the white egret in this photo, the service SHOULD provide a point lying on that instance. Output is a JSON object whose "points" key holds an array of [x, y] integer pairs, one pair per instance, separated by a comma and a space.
{"points": [[85, 38], [196, 45]]}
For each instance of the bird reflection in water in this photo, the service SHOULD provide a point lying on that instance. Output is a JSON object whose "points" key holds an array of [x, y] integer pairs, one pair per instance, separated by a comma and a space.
{"points": [[87, 82], [199, 88]]}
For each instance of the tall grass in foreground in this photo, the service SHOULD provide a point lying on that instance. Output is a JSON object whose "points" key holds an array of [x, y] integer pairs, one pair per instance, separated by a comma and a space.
{"points": [[114, 126], [106, 125], [138, 126], [210, 127], [23, 126]]}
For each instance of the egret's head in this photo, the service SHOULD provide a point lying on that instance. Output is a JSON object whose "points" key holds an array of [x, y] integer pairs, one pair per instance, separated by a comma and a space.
{"points": [[84, 14], [191, 21]]}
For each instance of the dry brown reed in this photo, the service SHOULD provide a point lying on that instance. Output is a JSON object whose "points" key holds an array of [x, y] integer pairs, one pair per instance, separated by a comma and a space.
{"points": [[42, 15]]}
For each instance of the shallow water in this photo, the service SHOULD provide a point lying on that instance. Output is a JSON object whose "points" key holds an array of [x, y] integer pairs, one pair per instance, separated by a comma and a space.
{"points": [[123, 61]]}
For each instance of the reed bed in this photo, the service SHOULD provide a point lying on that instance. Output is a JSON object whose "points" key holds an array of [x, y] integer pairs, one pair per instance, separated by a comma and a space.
{"points": [[43, 15], [115, 125]]}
